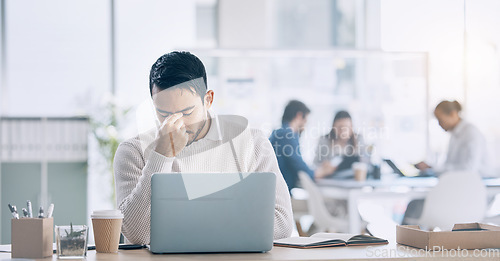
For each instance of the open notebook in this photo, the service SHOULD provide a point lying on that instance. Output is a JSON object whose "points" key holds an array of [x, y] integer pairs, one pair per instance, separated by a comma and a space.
{"points": [[329, 240]]}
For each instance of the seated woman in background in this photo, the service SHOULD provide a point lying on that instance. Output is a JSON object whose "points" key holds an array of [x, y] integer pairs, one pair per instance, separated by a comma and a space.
{"points": [[337, 151], [467, 147], [341, 147]]}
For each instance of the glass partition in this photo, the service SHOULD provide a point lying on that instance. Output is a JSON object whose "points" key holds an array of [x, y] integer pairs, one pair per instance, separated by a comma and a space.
{"points": [[385, 93]]}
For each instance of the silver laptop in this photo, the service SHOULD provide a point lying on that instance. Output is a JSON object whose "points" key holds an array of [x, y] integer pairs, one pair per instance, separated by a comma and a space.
{"points": [[212, 212]]}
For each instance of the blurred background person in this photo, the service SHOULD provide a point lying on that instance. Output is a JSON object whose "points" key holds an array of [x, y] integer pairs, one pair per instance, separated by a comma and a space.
{"points": [[336, 152], [285, 141], [467, 150], [339, 149]]}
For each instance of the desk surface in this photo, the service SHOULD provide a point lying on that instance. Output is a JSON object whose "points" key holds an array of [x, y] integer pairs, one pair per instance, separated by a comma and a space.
{"points": [[385, 252], [415, 182]]}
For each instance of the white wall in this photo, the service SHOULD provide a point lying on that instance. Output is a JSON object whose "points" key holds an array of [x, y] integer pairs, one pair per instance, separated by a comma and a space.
{"points": [[145, 30], [57, 55]]}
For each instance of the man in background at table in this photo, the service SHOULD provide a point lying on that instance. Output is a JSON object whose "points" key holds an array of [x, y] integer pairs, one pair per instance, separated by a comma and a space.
{"points": [[189, 139], [285, 141]]}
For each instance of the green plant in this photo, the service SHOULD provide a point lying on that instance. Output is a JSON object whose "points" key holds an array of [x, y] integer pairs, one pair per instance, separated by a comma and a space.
{"points": [[72, 233], [73, 244], [105, 126]]}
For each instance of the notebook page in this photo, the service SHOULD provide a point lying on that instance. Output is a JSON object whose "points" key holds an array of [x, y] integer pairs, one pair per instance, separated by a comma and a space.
{"points": [[299, 240], [340, 236]]}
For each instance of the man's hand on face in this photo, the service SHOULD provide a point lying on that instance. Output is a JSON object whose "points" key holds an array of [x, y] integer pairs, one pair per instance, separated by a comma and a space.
{"points": [[172, 136]]}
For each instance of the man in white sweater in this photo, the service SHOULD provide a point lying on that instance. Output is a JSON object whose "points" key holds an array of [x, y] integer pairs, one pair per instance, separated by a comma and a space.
{"points": [[189, 139]]}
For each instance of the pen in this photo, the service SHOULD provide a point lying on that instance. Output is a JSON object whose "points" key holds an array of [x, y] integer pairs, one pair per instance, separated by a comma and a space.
{"points": [[13, 210], [40, 212], [25, 213], [50, 210], [30, 210]]}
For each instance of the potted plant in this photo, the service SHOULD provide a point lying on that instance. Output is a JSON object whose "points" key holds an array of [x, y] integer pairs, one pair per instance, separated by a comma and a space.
{"points": [[71, 241]]}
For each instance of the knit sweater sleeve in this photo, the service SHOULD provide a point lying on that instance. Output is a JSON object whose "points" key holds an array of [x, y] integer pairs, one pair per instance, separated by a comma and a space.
{"points": [[133, 185], [265, 161]]}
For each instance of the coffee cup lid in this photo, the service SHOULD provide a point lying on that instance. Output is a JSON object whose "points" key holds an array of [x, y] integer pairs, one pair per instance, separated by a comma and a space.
{"points": [[102, 214]]}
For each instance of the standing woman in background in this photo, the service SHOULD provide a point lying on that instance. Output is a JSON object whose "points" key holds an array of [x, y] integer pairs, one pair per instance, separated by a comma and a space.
{"points": [[467, 149]]}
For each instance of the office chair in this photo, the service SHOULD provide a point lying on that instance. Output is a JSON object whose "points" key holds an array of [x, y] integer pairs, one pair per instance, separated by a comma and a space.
{"points": [[323, 220], [299, 208], [459, 197], [493, 214]]}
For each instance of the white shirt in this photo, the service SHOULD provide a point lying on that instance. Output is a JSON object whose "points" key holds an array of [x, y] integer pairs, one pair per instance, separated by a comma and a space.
{"points": [[467, 151], [135, 162]]}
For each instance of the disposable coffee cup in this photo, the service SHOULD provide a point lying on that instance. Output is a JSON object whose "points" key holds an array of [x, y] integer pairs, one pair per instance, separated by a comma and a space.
{"points": [[360, 171], [107, 226]]}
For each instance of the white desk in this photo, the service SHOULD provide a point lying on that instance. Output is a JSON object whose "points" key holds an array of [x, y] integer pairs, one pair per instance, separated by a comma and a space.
{"points": [[384, 252], [412, 188]]}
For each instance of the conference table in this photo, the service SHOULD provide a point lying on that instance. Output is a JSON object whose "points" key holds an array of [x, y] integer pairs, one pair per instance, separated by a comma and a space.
{"points": [[392, 251], [390, 186]]}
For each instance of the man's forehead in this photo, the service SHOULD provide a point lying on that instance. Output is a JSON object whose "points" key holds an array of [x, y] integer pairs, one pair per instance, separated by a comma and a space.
{"points": [[178, 97], [175, 100]]}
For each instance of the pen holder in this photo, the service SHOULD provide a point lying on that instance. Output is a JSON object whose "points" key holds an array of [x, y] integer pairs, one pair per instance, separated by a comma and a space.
{"points": [[32, 237]]}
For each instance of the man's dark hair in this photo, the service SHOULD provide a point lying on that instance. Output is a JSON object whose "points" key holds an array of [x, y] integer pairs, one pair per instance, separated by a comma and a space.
{"points": [[292, 108], [177, 67]]}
